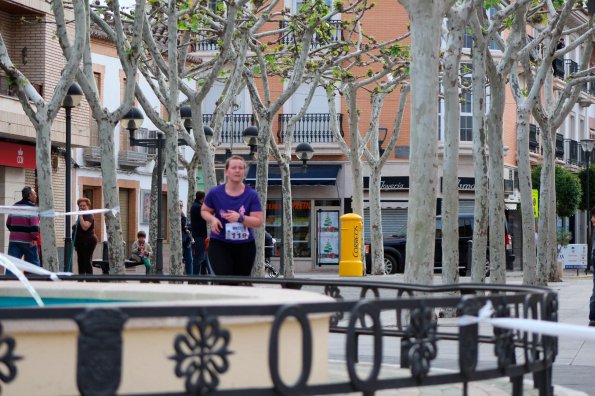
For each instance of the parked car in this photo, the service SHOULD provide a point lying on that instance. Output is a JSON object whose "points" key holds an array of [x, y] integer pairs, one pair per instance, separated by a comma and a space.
{"points": [[394, 248]]}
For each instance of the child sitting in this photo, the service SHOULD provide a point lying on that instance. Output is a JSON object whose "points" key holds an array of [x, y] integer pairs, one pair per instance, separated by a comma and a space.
{"points": [[141, 250]]}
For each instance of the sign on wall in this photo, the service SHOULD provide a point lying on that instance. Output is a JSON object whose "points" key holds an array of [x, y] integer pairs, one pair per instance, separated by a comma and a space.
{"points": [[328, 236], [390, 183], [17, 155], [573, 256]]}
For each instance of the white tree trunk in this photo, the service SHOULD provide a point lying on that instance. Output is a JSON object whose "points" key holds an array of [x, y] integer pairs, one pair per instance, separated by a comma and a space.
{"points": [[495, 180], [530, 276], [426, 20], [262, 176], [480, 161], [450, 190], [46, 195], [111, 198], [547, 267]]}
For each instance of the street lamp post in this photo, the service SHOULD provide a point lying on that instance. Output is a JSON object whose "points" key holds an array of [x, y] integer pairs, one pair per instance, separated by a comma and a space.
{"points": [[72, 99], [587, 146]]}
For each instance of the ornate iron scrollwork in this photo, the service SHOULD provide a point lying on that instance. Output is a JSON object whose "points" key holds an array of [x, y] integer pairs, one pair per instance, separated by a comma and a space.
{"points": [[202, 354], [419, 342], [8, 368], [334, 292], [468, 346], [504, 345], [99, 359]]}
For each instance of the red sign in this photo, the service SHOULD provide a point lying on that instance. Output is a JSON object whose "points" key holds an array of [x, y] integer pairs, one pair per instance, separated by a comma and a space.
{"points": [[17, 155]]}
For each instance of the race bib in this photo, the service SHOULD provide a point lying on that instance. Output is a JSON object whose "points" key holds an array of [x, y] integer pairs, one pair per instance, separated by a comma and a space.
{"points": [[236, 232]]}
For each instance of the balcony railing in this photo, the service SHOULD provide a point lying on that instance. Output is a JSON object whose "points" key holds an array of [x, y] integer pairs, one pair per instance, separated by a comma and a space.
{"points": [[558, 66], [204, 45], [533, 138], [311, 128], [559, 146], [571, 66], [572, 152], [334, 33], [589, 88], [8, 89], [233, 126]]}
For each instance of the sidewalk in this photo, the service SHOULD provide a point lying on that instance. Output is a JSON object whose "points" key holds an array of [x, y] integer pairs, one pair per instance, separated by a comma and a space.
{"points": [[574, 368]]}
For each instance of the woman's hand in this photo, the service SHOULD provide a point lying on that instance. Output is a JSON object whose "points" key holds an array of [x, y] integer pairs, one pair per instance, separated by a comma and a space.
{"points": [[231, 216], [216, 225]]}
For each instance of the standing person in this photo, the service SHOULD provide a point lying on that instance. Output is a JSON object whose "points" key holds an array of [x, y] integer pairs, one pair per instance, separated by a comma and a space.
{"points": [[199, 233], [233, 210], [24, 230], [85, 240], [186, 240]]}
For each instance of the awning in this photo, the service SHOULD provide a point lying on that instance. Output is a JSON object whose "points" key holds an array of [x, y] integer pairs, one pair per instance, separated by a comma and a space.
{"points": [[312, 175]]}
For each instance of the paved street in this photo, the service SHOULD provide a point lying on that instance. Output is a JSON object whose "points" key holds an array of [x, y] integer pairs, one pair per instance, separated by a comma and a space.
{"points": [[575, 364]]}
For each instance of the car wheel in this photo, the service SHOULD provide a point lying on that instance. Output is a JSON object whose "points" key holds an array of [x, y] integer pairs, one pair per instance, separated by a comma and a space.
{"points": [[390, 264]]}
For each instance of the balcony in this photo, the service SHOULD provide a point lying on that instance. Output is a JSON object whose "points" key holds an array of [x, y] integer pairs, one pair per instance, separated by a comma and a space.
{"points": [[92, 154], [559, 147], [311, 128], [573, 147], [205, 45], [332, 34], [233, 126], [534, 139], [132, 159], [8, 89], [558, 66]]}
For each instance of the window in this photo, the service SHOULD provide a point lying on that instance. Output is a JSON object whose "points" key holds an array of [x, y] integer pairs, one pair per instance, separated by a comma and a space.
{"points": [[298, 4], [466, 121], [302, 246]]}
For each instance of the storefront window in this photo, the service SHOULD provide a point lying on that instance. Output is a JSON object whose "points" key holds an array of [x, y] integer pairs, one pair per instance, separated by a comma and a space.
{"points": [[301, 225]]}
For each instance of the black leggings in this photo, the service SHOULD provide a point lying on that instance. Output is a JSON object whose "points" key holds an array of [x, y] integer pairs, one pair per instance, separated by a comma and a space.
{"points": [[84, 253], [231, 258]]}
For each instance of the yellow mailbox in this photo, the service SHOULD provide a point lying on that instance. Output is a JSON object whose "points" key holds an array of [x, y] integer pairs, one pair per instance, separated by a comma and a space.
{"points": [[350, 263]]}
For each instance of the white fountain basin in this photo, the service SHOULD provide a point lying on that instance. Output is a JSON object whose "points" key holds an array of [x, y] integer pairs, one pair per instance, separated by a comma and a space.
{"points": [[49, 347]]}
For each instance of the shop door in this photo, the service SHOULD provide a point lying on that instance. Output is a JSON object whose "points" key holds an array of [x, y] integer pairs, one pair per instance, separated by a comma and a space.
{"points": [[123, 195], [328, 236]]}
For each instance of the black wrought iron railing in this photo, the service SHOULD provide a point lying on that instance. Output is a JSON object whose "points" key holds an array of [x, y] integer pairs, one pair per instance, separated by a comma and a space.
{"points": [[333, 32], [233, 126], [534, 138], [311, 128], [573, 147], [377, 312], [571, 66], [558, 66], [589, 88], [559, 146]]}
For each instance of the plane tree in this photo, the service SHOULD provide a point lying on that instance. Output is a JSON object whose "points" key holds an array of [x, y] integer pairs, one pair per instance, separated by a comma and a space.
{"points": [[42, 112]]}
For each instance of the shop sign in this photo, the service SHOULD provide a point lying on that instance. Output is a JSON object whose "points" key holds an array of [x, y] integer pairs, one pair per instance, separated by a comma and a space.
{"points": [[328, 237], [390, 183], [463, 184], [296, 205], [17, 155]]}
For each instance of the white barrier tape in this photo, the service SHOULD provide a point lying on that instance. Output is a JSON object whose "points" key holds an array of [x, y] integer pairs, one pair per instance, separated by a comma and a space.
{"points": [[18, 266], [34, 211], [543, 327]]}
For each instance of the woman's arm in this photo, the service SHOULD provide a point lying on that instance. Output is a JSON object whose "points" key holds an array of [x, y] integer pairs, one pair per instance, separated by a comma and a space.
{"points": [[209, 215], [85, 224]]}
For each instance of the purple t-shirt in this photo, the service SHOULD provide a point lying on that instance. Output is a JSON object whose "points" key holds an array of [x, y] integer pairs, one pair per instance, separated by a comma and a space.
{"points": [[244, 204]]}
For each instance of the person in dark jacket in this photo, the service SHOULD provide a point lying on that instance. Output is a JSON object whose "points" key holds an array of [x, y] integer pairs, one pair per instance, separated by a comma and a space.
{"points": [[24, 230], [186, 241], [85, 240], [199, 233]]}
